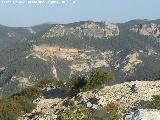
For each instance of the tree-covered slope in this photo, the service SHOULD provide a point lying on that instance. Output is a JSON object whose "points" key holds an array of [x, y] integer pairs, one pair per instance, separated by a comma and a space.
{"points": [[131, 50]]}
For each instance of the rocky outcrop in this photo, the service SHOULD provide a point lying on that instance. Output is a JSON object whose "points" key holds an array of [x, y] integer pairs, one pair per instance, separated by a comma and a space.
{"points": [[23, 82], [120, 93], [142, 114], [89, 28], [146, 114], [132, 60], [2, 68], [151, 29], [11, 34], [46, 51], [30, 30], [81, 60]]}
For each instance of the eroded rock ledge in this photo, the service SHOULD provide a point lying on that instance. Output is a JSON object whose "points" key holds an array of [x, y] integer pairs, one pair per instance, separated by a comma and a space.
{"points": [[88, 28]]}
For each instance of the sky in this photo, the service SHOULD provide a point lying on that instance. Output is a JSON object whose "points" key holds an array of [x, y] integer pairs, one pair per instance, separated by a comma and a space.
{"points": [[116, 11]]}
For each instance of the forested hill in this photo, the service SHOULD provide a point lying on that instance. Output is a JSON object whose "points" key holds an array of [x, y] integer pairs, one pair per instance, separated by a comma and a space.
{"points": [[28, 54]]}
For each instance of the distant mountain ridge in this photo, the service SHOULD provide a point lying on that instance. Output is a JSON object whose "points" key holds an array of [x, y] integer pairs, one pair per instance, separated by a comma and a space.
{"points": [[131, 50]]}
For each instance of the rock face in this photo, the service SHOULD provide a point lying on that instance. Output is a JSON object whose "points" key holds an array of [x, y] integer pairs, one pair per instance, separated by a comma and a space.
{"points": [[83, 60], [80, 60], [51, 51], [151, 29], [133, 60], [89, 28]]}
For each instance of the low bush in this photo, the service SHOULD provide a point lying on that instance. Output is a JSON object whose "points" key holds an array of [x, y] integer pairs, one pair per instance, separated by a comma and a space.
{"points": [[112, 112], [9, 109], [26, 104], [100, 76], [97, 77], [112, 116], [76, 83], [81, 113], [84, 113], [113, 107], [68, 103], [44, 83], [29, 92], [12, 107], [153, 104]]}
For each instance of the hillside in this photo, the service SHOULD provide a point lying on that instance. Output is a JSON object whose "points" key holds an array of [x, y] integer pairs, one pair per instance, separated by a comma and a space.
{"points": [[93, 96], [131, 50]]}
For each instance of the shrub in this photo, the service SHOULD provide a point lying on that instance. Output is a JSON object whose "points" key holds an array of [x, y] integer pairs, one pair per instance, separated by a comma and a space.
{"points": [[112, 116], [100, 76], [26, 104], [81, 113], [112, 112], [112, 107], [13, 106], [68, 103], [9, 109], [76, 83], [44, 83], [153, 104], [30, 92]]}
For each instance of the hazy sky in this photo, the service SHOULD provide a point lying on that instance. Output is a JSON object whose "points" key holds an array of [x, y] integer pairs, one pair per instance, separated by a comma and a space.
{"points": [[99, 10]]}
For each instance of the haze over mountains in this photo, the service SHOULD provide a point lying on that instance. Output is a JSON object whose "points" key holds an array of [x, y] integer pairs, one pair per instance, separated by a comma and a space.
{"points": [[29, 54]]}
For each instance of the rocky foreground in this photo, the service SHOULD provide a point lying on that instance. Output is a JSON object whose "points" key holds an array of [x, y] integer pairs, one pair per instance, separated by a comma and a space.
{"points": [[47, 109]]}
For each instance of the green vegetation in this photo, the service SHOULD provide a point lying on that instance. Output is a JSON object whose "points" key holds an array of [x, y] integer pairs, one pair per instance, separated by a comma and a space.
{"points": [[153, 104], [112, 116], [9, 109], [22, 102], [44, 83], [25, 103], [81, 113], [68, 103], [76, 83], [13, 52], [110, 112], [113, 111], [12, 107], [30, 92], [100, 76], [97, 78]]}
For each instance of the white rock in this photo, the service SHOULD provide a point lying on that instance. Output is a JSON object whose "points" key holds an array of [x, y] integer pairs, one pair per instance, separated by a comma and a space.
{"points": [[95, 106], [89, 104], [149, 114]]}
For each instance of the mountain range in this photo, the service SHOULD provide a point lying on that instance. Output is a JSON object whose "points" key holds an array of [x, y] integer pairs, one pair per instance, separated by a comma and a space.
{"points": [[29, 54]]}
